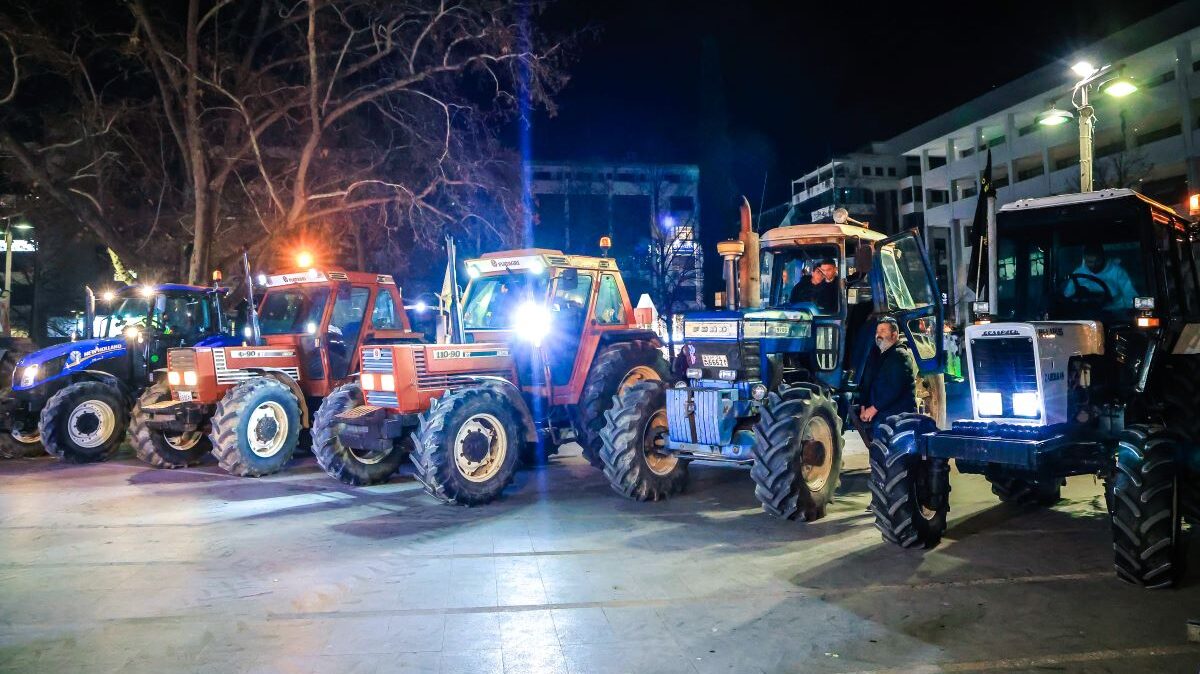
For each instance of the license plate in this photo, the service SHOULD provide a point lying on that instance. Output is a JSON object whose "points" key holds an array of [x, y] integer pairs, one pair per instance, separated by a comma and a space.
{"points": [[711, 360], [185, 396]]}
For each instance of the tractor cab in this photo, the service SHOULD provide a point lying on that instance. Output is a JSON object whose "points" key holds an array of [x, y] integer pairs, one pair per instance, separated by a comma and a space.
{"points": [[548, 306]]}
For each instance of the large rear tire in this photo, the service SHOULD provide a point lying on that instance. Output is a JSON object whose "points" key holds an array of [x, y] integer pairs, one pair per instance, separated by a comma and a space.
{"points": [[356, 467], [1144, 507], [797, 453], [84, 422], [615, 368], [160, 449], [466, 446], [255, 428], [1020, 491], [909, 494], [635, 461]]}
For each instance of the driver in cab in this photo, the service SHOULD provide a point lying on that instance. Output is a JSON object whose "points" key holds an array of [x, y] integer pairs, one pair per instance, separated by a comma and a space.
{"points": [[1097, 265], [821, 287]]}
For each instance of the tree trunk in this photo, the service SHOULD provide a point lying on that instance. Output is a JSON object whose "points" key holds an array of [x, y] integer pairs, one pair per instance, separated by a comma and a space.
{"points": [[202, 221]]}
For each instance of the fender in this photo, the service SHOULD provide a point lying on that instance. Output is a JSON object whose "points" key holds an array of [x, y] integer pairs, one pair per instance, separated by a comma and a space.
{"points": [[100, 376], [283, 378], [507, 389], [628, 335]]}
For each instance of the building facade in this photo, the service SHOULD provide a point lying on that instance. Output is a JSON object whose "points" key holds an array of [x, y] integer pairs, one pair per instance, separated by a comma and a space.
{"points": [[650, 211], [1148, 141], [865, 183]]}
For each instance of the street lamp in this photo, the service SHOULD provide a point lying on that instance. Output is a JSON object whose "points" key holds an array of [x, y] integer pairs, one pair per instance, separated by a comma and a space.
{"points": [[6, 303], [1108, 81]]}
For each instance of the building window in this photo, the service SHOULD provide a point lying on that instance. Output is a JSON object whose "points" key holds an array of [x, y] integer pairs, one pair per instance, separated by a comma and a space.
{"points": [[1066, 162], [906, 195], [1027, 129], [1031, 172], [998, 140], [1110, 149], [878, 170], [1159, 134], [936, 162], [912, 166], [937, 196], [891, 171], [968, 192], [1002, 181], [839, 171], [1168, 76], [683, 204], [967, 152], [866, 170]]}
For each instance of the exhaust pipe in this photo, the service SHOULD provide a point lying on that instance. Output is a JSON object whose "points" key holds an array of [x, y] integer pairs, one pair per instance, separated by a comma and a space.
{"points": [[251, 310], [731, 252], [749, 278], [89, 312]]}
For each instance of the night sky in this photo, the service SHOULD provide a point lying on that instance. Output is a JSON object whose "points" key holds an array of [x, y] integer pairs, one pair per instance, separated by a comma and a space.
{"points": [[744, 88]]}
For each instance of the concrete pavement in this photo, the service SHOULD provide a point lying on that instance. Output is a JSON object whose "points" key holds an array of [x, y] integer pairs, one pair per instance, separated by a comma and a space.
{"points": [[119, 567]]}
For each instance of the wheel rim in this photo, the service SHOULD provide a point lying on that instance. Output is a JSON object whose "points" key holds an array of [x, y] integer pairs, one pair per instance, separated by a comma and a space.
{"points": [[659, 461], [638, 375], [183, 441], [480, 447], [267, 429], [816, 452], [26, 438], [91, 423]]}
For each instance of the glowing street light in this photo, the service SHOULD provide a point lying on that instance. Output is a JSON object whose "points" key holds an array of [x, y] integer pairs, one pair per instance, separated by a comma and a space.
{"points": [[1089, 76], [304, 259]]}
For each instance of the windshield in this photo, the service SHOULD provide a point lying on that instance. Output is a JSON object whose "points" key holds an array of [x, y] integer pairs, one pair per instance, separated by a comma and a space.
{"points": [[490, 301], [805, 276], [293, 310], [1082, 270], [177, 313]]}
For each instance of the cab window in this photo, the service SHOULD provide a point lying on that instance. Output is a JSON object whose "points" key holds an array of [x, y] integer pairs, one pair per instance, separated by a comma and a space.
{"points": [[570, 301], [904, 275], [384, 314], [610, 306]]}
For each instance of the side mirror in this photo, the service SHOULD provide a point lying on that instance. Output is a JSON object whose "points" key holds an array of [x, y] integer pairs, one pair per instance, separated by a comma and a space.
{"points": [[864, 258], [569, 280]]}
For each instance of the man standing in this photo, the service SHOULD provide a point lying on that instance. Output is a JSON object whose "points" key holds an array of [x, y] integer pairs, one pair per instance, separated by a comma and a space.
{"points": [[888, 384]]}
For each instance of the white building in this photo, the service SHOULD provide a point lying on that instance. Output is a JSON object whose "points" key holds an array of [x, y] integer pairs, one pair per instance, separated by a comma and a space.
{"points": [[866, 183], [578, 202], [1148, 140]]}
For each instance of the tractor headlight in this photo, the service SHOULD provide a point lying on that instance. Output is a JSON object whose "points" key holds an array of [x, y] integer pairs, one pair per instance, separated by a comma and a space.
{"points": [[29, 375], [190, 378], [132, 333], [694, 373], [989, 404], [387, 382], [532, 322], [727, 375], [368, 381], [758, 391], [174, 378], [1143, 303], [1027, 404]]}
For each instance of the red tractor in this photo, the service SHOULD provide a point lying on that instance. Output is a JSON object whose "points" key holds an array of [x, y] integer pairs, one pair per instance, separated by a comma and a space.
{"points": [[251, 401], [547, 340]]}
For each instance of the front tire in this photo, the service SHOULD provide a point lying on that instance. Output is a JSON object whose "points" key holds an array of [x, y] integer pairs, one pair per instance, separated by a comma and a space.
{"points": [[84, 422], [255, 428], [1144, 507], [161, 449], [354, 467], [467, 445], [635, 462], [15, 444], [909, 494], [797, 453], [615, 368]]}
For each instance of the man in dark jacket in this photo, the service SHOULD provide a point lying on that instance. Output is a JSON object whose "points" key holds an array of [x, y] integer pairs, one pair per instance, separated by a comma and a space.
{"points": [[888, 383]]}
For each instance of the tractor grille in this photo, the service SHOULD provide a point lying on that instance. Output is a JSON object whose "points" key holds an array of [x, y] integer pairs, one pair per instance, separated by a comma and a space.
{"points": [[1006, 364], [378, 360], [383, 399], [181, 359]]}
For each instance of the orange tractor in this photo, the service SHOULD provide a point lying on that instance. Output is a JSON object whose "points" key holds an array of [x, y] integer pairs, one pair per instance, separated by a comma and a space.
{"points": [[546, 340], [247, 404]]}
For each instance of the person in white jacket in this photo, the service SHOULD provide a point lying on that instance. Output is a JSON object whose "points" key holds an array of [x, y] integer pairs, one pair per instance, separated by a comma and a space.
{"points": [[1096, 263]]}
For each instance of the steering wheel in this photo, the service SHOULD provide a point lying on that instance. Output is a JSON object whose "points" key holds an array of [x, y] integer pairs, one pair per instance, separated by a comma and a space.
{"points": [[1086, 295]]}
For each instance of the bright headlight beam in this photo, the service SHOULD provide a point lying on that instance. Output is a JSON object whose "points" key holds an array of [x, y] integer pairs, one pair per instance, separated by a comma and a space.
{"points": [[1026, 404], [989, 404], [531, 322]]}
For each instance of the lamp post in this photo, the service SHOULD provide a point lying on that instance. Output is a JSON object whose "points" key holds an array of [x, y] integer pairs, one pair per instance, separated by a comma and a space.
{"points": [[6, 302], [1107, 80]]}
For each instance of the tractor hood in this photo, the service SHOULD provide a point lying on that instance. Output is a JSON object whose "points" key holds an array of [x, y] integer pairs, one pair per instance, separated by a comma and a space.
{"points": [[77, 355], [751, 324]]}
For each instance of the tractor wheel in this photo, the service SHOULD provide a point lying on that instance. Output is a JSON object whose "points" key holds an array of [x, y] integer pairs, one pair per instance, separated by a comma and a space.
{"points": [[357, 467], [19, 445], [255, 428], [1143, 507], [1019, 491], [909, 494], [635, 462], [797, 453], [615, 368], [466, 446], [161, 449], [84, 422]]}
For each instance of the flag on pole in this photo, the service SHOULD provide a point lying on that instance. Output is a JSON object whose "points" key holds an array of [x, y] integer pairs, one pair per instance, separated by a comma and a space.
{"points": [[979, 238]]}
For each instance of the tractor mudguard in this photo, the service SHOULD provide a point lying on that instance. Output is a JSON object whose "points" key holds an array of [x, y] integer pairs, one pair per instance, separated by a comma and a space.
{"points": [[513, 395], [283, 378], [628, 335]]}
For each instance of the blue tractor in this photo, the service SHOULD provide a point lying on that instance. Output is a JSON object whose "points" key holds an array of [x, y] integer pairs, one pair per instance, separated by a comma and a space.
{"points": [[73, 399], [769, 383]]}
